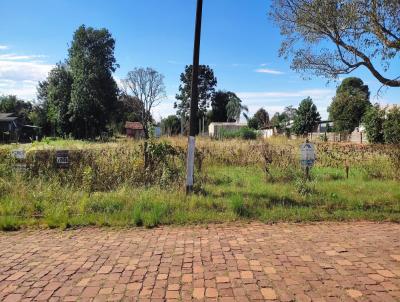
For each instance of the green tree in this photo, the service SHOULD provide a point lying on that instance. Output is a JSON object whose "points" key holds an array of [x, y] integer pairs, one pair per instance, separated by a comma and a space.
{"points": [[55, 95], [349, 104], [329, 38], [218, 106], [206, 86], [262, 118], [290, 112], [94, 91], [307, 117], [171, 125], [391, 126], [128, 109], [253, 123], [279, 120], [11, 104], [235, 108], [373, 121]]}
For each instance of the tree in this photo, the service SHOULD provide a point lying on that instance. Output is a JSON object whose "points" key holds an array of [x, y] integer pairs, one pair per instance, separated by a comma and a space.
{"points": [[207, 84], [349, 104], [279, 120], [307, 117], [262, 118], [55, 95], [391, 126], [373, 121], [147, 86], [94, 90], [235, 108], [290, 112], [171, 125], [329, 38], [253, 123], [128, 109], [218, 106], [11, 104]]}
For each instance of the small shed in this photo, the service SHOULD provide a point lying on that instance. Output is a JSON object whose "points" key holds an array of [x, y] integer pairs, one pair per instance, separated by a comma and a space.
{"points": [[134, 130], [9, 127]]}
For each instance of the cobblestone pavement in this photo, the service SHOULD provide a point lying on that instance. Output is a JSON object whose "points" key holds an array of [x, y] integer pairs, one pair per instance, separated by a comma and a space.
{"points": [[233, 262]]}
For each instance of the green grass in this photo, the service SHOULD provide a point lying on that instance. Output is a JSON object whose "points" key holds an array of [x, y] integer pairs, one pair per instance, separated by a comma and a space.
{"points": [[229, 193]]}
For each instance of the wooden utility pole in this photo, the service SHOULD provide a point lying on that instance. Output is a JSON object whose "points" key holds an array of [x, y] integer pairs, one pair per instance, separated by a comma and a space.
{"points": [[194, 100]]}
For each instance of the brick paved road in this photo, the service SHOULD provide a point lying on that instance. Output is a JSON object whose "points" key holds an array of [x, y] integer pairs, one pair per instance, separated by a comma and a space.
{"points": [[249, 262]]}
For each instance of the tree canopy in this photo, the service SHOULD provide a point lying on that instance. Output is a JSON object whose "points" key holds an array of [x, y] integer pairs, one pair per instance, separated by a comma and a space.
{"points": [[391, 126], [54, 95], [235, 108], [349, 104], [218, 106], [262, 118], [12, 104], [94, 90], [171, 125], [206, 86], [373, 121], [329, 38], [307, 117]]}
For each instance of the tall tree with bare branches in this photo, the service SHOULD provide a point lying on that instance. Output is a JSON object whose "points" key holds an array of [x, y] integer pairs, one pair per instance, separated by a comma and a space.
{"points": [[147, 86], [333, 37]]}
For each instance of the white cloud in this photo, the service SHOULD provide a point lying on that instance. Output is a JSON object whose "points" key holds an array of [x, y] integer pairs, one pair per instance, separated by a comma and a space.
{"points": [[15, 57], [23, 89], [286, 94], [21, 71], [3, 47], [276, 101], [268, 71], [19, 74], [165, 108]]}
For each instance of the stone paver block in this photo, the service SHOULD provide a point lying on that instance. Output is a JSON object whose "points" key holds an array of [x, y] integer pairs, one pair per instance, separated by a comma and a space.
{"points": [[230, 262]]}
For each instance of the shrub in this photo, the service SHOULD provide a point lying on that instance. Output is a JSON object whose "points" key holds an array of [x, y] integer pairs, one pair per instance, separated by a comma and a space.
{"points": [[9, 223], [246, 133], [304, 187], [239, 207], [253, 123], [148, 213], [391, 127], [373, 121]]}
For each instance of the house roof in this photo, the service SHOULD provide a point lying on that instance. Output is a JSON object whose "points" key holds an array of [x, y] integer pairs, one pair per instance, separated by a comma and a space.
{"points": [[4, 116], [134, 125], [228, 124]]}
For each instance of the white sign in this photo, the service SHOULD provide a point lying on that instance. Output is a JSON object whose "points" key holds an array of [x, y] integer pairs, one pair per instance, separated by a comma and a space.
{"points": [[307, 155], [62, 158], [18, 154]]}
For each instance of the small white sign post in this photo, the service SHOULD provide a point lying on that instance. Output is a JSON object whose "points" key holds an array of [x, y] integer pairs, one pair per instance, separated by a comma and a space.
{"points": [[307, 156]]}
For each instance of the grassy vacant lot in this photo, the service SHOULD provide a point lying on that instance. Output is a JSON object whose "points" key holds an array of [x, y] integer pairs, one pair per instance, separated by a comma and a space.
{"points": [[108, 185]]}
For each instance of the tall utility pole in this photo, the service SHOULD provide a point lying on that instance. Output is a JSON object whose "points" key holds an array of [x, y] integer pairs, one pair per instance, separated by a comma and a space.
{"points": [[194, 100]]}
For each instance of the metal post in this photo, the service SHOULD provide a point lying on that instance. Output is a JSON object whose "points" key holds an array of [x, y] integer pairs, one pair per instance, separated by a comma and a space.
{"points": [[194, 101]]}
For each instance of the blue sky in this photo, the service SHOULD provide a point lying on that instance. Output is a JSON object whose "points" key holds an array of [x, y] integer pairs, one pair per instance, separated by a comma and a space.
{"points": [[238, 41]]}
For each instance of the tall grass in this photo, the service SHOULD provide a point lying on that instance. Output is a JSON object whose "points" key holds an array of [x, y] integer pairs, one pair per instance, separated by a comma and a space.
{"points": [[109, 185]]}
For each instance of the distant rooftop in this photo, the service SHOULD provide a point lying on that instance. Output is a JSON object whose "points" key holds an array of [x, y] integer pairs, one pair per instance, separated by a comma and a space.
{"points": [[5, 114], [7, 117], [134, 125]]}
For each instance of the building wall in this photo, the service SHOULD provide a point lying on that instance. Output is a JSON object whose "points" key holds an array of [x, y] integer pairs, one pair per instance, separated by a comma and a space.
{"points": [[214, 129], [354, 137]]}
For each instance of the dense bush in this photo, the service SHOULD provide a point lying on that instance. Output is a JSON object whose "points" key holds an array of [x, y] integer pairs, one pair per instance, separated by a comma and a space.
{"points": [[391, 126], [245, 133]]}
